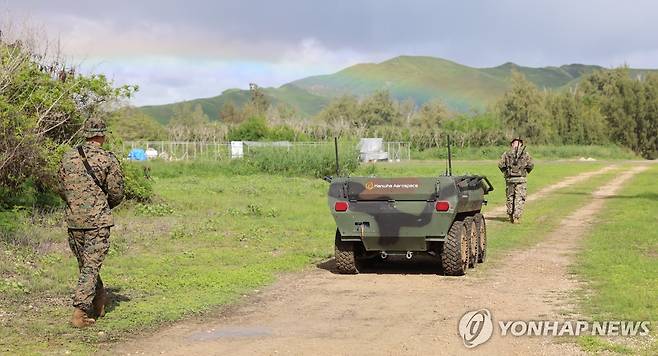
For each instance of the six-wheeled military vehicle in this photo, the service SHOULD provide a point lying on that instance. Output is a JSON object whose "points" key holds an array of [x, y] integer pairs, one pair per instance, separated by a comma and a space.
{"points": [[382, 217]]}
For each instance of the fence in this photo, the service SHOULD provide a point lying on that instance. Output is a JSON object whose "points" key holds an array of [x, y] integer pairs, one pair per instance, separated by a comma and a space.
{"points": [[191, 150]]}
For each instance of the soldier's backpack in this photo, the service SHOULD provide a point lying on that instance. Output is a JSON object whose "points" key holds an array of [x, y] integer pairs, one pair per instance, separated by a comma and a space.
{"points": [[516, 164]]}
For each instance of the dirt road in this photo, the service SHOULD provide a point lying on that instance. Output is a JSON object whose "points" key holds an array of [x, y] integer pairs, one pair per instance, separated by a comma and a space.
{"points": [[395, 310]]}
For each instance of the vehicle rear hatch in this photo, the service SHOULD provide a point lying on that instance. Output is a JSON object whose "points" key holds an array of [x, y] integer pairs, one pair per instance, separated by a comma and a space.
{"points": [[387, 189], [393, 214]]}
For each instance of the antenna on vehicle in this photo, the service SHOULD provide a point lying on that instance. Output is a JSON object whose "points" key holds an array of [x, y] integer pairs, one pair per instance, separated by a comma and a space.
{"points": [[449, 158], [336, 149]]}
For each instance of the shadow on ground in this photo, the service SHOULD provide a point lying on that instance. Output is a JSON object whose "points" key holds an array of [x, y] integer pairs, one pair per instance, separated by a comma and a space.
{"points": [[116, 298], [419, 264], [498, 218]]}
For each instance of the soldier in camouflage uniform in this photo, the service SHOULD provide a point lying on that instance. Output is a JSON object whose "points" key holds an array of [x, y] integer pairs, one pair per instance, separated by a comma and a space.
{"points": [[91, 183], [515, 165]]}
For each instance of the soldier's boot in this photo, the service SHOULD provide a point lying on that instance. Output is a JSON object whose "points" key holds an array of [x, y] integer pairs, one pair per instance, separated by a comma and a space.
{"points": [[80, 319], [99, 302]]}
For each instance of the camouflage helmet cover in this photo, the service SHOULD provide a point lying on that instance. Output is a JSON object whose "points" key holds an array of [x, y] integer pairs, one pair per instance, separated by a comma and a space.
{"points": [[94, 126], [516, 139]]}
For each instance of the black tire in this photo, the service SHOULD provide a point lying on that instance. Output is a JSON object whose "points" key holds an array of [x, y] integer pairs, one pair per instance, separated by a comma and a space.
{"points": [[481, 232], [346, 254], [471, 237], [454, 254]]}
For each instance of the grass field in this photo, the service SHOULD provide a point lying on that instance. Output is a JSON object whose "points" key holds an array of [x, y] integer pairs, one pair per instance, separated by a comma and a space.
{"points": [[549, 152], [207, 240], [620, 263]]}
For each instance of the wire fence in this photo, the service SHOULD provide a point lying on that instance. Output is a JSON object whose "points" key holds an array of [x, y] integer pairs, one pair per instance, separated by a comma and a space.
{"points": [[193, 150]]}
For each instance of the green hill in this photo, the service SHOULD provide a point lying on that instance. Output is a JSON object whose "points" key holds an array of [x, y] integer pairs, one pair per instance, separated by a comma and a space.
{"points": [[306, 103], [461, 88]]}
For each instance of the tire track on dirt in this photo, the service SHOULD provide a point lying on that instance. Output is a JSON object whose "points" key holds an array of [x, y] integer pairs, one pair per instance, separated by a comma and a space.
{"points": [[395, 309]]}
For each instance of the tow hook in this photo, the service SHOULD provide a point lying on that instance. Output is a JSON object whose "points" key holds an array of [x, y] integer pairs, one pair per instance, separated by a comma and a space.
{"points": [[383, 254], [410, 255]]}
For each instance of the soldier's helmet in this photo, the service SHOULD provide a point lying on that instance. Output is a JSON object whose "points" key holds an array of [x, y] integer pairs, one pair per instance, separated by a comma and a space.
{"points": [[517, 139], [94, 126]]}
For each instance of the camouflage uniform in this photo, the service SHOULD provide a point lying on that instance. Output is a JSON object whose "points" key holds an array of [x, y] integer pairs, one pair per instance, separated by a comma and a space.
{"points": [[515, 165], [88, 213]]}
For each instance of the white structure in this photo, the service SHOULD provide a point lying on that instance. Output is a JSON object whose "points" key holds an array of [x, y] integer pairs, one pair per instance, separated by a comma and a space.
{"points": [[151, 153], [372, 149], [237, 149]]}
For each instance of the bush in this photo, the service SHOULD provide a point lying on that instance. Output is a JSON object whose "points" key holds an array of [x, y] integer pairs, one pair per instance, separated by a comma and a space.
{"points": [[281, 133], [253, 129], [42, 106], [138, 185], [312, 160]]}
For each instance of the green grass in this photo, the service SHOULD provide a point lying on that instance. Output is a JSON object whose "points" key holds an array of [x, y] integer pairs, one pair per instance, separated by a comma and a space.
{"points": [[209, 239], [593, 344], [620, 257], [610, 152]]}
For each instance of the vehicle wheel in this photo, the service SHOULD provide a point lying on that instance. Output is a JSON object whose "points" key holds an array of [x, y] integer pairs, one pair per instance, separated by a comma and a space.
{"points": [[471, 237], [346, 254], [481, 232], [454, 254]]}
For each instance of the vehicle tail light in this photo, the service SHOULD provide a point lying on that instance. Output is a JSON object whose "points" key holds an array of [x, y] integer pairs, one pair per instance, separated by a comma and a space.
{"points": [[341, 206], [442, 205]]}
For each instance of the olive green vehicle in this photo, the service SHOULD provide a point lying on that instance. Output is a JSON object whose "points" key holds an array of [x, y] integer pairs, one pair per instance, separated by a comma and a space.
{"points": [[382, 217]]}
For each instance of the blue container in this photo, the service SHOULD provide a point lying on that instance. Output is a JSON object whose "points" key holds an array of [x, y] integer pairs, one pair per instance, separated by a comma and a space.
{"points": [[137, 154]]}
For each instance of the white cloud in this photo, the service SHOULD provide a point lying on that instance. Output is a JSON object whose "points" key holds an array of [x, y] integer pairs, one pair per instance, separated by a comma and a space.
{"points": [[164, 79]]}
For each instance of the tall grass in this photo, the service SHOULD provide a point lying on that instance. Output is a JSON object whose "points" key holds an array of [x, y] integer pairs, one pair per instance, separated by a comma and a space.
{"points": [[304, 161], [316, 161]]}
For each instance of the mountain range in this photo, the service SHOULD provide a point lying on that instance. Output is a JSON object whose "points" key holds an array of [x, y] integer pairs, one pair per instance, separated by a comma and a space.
{"points": [[421, 79]]}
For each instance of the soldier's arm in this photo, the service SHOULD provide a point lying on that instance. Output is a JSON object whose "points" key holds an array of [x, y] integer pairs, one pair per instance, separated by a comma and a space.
{"points": [[502, 164], [530, 164], [115, 184]]}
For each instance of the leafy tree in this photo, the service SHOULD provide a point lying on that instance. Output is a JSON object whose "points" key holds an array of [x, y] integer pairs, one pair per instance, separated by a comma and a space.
{"points": [[614, 92], [628, 106], [282, 133], [43, 105], [285, 111], [258, 102], [377, 109], [230, 113], [343, 109], [523, 112], [431, 115], [575, 120], [130, 123], [253, 129], [647, 129], [188, 122], [189, 116], [407, 110]]}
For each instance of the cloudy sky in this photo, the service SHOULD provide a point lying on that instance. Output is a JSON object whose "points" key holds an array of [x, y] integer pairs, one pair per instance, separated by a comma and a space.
{"points": [[177, 50]]}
